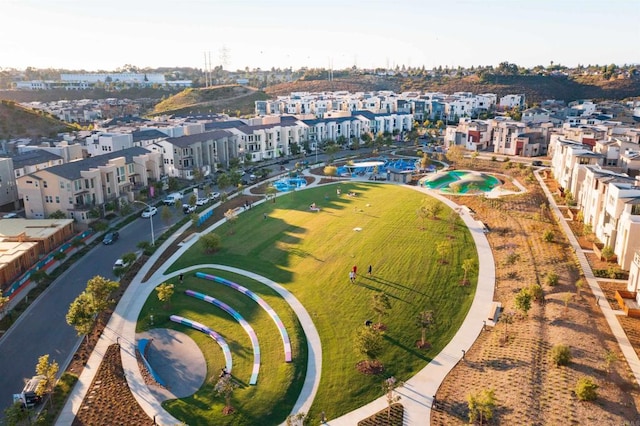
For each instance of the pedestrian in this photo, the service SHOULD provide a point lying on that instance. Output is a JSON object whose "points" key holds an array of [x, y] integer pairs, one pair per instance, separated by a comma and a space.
{"points": [[181, 277], [370, 269], [264, 216], [355, 269], [352, 277]]}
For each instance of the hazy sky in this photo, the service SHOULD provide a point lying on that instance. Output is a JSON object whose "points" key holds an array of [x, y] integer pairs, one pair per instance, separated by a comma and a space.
{"points": [[98, 34]]}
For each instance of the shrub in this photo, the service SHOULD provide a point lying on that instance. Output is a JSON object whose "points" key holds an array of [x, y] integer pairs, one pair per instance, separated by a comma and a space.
{"points": [[552, 279], [586, 389], [494, 158], [523, 300], [536, 292], [607, 253], [512, 258], [561, 355], [548, 236]]}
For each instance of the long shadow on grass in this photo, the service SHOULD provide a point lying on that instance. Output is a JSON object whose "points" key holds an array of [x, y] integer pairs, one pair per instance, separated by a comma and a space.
{"points": [[376, 289], [383, 281], [303, 254], [408, 349]]}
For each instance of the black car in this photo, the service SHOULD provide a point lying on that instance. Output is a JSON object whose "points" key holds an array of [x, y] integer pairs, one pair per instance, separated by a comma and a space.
{"points": [[110, 238], [536, 163]]}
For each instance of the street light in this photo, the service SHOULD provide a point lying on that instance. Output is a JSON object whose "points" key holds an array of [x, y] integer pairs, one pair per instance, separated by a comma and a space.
{"points": [[153, 241]]}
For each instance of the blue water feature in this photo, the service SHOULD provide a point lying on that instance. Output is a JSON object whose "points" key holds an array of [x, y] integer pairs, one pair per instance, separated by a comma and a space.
{"points": [[461, 182], [353, 170], [289, 184]]}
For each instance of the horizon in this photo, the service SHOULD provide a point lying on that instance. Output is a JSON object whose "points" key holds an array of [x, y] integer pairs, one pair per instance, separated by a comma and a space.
{"points": [[283, 34]]}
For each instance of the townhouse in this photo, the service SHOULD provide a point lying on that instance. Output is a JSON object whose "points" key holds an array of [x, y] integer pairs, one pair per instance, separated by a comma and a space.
{"points": [[80, 187]]}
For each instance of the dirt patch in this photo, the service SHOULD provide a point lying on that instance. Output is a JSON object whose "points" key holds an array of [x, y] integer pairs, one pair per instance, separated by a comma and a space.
{"points": [[390, 417], [514, 359], [109, 400]]}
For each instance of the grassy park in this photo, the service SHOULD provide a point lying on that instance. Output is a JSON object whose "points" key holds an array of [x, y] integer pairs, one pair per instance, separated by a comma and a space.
{"points": [[417, 262]]}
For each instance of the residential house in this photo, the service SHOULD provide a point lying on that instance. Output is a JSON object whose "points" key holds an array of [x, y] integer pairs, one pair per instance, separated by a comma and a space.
{"points": [[84, 186]]}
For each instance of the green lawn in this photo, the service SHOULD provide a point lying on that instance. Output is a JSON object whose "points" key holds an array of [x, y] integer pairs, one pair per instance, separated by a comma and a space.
{"points": [[311, 255]]}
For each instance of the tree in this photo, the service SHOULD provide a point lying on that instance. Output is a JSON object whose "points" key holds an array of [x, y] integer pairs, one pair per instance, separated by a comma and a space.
{"points": [[40, 276], [523, 301], [435, 209], [422, 213], [100, 289], [368, 342], [332, 150], [231, 216], [15, 415], [330, 171], [224, 387], [81, 314], [610, 358], [58, 214], [49, 370], [467, 265], [455, 154], [210, 242], [271, 192], [380, 304], [296, 419], [424, 321], [389, 386], [223, 181], [443, 249], [195, 219], [481, 406], [4, 304], [424, 161], [165, 214], [192, 199], [165, 293]]}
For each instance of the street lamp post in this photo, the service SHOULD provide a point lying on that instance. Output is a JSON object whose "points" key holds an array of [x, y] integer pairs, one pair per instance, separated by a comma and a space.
{"points": [[153, 241]]}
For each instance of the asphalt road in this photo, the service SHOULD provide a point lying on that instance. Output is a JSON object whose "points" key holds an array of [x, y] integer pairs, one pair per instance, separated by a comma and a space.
{"points": [[42, 329]]}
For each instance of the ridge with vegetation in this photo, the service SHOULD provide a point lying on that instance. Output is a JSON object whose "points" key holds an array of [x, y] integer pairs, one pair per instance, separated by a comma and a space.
{"points": [[17, 121]]}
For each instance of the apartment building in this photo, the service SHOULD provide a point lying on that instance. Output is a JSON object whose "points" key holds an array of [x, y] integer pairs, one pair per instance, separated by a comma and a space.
{"points": [[183, 155], [103, 143], [34, 160], [79, 187], [8, 188]]}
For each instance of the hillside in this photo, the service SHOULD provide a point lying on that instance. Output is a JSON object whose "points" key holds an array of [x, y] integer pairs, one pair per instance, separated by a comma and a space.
{"points": [[61, 94], [18, 122], [234, 99], [536, 88]]}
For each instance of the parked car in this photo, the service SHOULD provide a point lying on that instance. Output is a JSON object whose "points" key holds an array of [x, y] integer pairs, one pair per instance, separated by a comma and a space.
{"points": [[201, 201], [187, 208], [214, 196], [111, 238], [171, 199], [149, 212], [28, 396], [120, 264], [10, 216], [536, 163]]}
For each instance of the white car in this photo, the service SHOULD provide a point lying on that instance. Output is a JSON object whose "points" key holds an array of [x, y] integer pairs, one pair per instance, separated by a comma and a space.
{"points": [[201, 201], [149, 211], [120, 264], [214, 196]]}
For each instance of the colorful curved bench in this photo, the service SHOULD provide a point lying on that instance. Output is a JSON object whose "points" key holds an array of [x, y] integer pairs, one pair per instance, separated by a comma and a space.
{"points": [[247, 327], [274, 316], [206, 330]]}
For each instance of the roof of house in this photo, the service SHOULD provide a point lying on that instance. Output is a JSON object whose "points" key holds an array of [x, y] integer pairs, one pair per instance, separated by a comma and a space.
{"points": [[184, 141], [224, 124], [146, 134], [72, 170], [33, 157]]}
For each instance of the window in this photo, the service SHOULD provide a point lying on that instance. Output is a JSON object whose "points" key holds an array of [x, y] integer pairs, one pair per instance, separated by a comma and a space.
{"points": [[61, 185], [44, 183], [57, 200]]}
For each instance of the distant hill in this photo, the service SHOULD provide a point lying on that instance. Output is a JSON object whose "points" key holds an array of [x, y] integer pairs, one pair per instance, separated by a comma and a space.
{"points": [[536, 88], [234, 99], [18, 122]]}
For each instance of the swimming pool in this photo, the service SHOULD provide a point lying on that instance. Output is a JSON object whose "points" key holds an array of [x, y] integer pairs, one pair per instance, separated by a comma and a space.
{"points": [[289, 184], [461, 182], [377, 165]]}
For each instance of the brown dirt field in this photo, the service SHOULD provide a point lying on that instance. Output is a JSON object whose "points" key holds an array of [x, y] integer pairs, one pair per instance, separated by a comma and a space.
{"points": [[529, 389]]}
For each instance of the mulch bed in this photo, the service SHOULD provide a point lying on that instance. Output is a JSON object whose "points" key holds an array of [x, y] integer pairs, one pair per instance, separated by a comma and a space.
{"points": [[109, 400], [392, 417]]}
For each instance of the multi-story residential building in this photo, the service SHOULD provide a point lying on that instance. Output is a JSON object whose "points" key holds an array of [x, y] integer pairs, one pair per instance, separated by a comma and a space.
{"points": [[34, 160], [512, 101], [620, 224], [79, 187], [103, 143], [183, 155], [63, 149], [8, 188], [566, 156]]}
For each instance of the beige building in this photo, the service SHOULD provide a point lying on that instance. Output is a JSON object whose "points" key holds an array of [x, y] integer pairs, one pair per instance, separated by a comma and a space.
{"points": [[79, 187]]}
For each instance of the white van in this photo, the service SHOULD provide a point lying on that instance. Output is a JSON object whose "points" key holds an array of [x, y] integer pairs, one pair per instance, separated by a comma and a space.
{"points": [[171, 199]]}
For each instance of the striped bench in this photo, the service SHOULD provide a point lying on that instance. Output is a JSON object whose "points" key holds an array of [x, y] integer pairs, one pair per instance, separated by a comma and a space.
{"points": [[206, 330]]}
